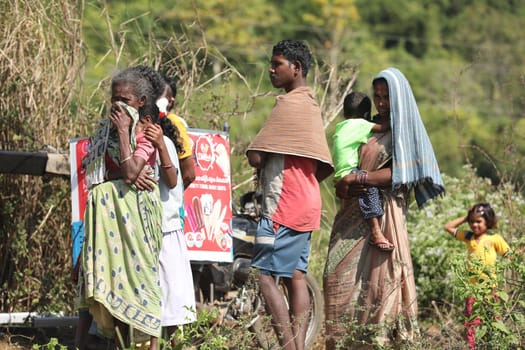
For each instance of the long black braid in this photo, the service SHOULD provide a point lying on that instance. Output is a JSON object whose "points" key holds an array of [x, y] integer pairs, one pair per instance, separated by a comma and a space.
{"points": [[168, 82], [172, 132]]}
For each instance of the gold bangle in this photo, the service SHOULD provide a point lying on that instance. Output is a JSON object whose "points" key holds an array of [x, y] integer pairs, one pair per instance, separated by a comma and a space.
{"points": [[126, 159]]}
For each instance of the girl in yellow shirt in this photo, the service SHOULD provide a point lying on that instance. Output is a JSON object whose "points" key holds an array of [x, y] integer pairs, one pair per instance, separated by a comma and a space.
{"points": [[483, 247], [482, 244]]}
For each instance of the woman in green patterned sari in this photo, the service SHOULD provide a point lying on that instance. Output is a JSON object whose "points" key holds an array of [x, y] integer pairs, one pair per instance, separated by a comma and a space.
{"points": [[122, 223]]}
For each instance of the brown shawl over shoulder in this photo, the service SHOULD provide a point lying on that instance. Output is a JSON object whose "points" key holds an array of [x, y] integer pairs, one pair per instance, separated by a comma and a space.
{"points": [[295, 127]]}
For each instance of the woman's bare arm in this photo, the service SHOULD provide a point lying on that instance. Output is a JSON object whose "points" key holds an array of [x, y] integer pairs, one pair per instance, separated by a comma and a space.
{"points": [[168, 171], [380, 178], [188, 171], [348, 186]]}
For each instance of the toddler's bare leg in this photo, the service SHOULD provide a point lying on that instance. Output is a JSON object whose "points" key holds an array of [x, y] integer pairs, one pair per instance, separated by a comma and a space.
{"points": [[376, 235]]}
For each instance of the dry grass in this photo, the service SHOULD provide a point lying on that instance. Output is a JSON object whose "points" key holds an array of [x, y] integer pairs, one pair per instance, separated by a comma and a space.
{"points": [[41, 60], [42, 57], [40, 66]]}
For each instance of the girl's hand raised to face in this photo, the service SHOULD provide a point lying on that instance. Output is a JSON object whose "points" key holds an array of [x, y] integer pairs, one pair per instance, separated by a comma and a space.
{"points": [[119, 118], [153, 133]]}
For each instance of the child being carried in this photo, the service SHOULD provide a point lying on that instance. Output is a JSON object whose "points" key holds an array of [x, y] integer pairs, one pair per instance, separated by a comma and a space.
{"points": [[349, 135]]}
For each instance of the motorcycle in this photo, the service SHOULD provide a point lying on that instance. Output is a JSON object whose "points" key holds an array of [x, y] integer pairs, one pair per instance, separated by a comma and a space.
{"points": [[235, 284]]}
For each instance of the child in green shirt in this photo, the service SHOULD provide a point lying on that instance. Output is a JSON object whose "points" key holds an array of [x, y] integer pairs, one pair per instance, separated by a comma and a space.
{"points": [[349, 135]]}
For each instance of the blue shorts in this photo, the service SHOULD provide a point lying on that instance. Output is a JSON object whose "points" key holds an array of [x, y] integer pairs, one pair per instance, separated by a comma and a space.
{"points": [[281, 253]]}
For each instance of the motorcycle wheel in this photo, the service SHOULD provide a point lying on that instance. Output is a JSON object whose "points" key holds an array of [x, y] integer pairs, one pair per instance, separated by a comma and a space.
{"points": [[264, 331]]}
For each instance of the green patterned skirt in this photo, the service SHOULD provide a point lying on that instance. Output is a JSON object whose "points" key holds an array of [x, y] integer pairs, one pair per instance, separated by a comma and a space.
{"points": [[120, 257]]}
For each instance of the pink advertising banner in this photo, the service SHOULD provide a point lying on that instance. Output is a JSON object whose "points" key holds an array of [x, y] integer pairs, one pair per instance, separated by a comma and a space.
{"points": [[207, 201]]}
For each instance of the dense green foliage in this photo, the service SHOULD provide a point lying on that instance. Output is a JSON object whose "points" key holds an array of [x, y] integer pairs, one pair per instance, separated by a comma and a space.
{"points": [[464, 59], [440, 261]]}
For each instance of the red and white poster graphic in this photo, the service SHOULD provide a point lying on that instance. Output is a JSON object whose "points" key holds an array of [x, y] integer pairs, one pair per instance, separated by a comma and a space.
{"points": [[78, 149], [207, 201]]}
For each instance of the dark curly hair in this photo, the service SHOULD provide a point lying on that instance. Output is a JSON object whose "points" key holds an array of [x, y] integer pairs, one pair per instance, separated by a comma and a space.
{"points": [[171, 83], [294, 51], [379, 80], [486, 211], [357, 104], [146, 82], [150, 109]]}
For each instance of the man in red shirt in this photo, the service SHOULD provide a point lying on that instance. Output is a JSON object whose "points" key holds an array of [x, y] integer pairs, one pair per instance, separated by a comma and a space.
{"points": [[292, 157]]}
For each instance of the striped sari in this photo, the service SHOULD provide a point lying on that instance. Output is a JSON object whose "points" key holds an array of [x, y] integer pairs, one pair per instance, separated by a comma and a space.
{"points": [[370, 295]]}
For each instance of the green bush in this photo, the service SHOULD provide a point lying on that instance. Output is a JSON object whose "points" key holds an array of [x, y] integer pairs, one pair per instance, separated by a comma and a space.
{"points": [[498, 304], [439, 260]]}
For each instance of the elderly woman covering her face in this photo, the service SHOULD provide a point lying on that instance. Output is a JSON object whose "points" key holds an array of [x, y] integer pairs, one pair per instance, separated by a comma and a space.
{"points": [[120, 253]]}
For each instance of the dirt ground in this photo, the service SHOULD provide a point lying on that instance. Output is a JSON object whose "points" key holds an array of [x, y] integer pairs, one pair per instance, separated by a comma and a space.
{"points": [[24, 338]]}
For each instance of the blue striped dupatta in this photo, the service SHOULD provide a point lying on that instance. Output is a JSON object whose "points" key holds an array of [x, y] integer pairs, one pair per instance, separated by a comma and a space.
{"points": [[414, 163]]}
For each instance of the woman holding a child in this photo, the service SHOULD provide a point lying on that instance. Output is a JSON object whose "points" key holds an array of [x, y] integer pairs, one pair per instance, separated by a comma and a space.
{"points": [[370, 294]]}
